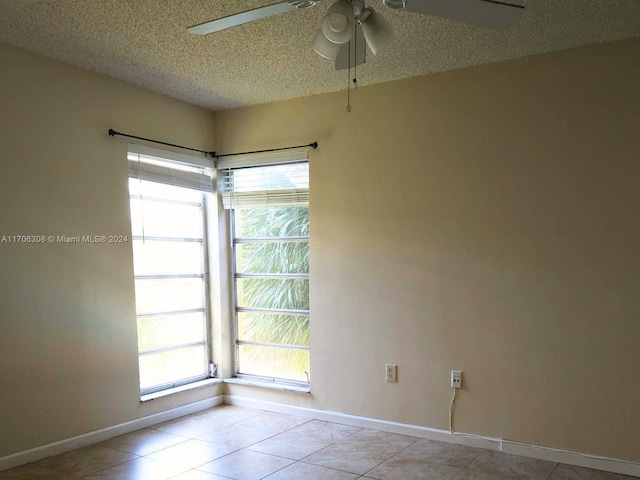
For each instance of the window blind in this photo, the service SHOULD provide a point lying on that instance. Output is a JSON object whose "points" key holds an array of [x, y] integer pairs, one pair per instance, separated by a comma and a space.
{"points": [[265, 181], [169, 168]]}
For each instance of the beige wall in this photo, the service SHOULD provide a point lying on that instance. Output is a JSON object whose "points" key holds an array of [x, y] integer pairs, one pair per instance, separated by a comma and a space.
{"points": [[68, 348], [486, 220]]}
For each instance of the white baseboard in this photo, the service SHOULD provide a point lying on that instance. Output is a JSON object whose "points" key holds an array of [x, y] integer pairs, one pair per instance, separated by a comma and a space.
{"points": [[533, 451], [72, 443], [366, 422], [572, 458]]}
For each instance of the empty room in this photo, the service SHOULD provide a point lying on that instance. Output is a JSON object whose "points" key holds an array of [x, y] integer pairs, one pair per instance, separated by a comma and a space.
{"points": [[326, 240]]}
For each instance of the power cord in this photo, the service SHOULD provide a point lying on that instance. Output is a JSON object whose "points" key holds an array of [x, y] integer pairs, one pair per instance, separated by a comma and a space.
{"points": [[453, 399]]}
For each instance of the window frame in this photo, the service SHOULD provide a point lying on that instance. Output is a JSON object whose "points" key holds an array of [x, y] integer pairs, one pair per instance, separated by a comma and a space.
{"points": [[183, 181], [300, 198]]}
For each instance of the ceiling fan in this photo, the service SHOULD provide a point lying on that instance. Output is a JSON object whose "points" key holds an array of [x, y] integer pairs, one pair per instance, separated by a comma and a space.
{"points": [[348, 26]]}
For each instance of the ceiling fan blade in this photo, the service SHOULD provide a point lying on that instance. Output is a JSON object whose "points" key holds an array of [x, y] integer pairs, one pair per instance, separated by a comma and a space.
{"points": [[243, 17], [483, 12]]}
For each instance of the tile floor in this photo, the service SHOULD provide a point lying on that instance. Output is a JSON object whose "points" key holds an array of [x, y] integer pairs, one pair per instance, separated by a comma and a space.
{"points": [[229, 442]]}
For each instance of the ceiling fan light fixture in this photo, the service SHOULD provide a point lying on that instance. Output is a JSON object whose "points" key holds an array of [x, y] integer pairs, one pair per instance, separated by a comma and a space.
{"points": [[377, 31], [325, 48], [303, 4], [395, 4], [339, 22]]}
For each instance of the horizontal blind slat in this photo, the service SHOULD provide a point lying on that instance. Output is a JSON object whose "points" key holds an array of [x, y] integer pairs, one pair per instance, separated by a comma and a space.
{"points": [[265, 185], [170, 176], [264, 198]]}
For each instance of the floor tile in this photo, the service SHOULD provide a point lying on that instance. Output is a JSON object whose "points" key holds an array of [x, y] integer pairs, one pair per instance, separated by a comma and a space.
{"points": [[299, 471], [227, 414], [412, 469], [566, 472], [324, 431], [143, 442], [235, 443], [198, 475], [238, 435], [188, 426], [190, 454], [246, 465], [304, 440], [85, 461], [198, 424], [275, 421], [361, 452], [33, 472], [347, 460], [507, 466], [381, 441], [290, 445], [138, 469], [442, 452], [474, 475]]}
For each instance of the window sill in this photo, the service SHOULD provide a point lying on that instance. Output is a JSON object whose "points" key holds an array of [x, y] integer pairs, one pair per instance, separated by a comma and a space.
{"points": [[269, 385], [283, 387], [182, 388]]}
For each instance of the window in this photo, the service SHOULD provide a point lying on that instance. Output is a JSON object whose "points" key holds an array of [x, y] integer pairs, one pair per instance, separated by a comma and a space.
{"points": [[270, 235], [168, 212]]}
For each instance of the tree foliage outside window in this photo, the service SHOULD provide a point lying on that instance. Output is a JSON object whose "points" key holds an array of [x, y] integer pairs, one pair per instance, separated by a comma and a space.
{"points": [[288, 253]]}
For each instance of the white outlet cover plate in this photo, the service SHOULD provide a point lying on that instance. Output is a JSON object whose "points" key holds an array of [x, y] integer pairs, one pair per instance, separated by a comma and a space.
{"points": [[391, 373], [456, 378]]}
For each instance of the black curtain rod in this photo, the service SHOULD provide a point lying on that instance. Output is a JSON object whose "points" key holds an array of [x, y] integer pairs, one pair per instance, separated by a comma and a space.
{"points": [[113, 133], [313, 145]]}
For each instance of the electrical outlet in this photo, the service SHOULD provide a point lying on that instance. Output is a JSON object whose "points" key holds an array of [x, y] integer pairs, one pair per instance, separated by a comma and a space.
{"points": [[391, 373], [456, 378]]}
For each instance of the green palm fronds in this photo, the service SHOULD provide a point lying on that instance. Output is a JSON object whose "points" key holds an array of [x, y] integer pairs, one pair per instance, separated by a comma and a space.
{"points": [[281, 256]]}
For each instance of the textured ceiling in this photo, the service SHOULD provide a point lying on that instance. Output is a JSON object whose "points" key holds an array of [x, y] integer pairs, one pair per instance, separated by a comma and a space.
{"points": [[146, 42]]}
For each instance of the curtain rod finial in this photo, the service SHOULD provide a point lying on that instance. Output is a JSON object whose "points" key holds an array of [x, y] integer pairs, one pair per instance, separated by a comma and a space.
{"points": [[112, 132], [314, 145]]}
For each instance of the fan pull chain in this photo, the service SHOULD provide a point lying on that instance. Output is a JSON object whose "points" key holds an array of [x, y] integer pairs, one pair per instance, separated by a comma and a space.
{"points": [[355, 68], [355, 57], [349, 80]]}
